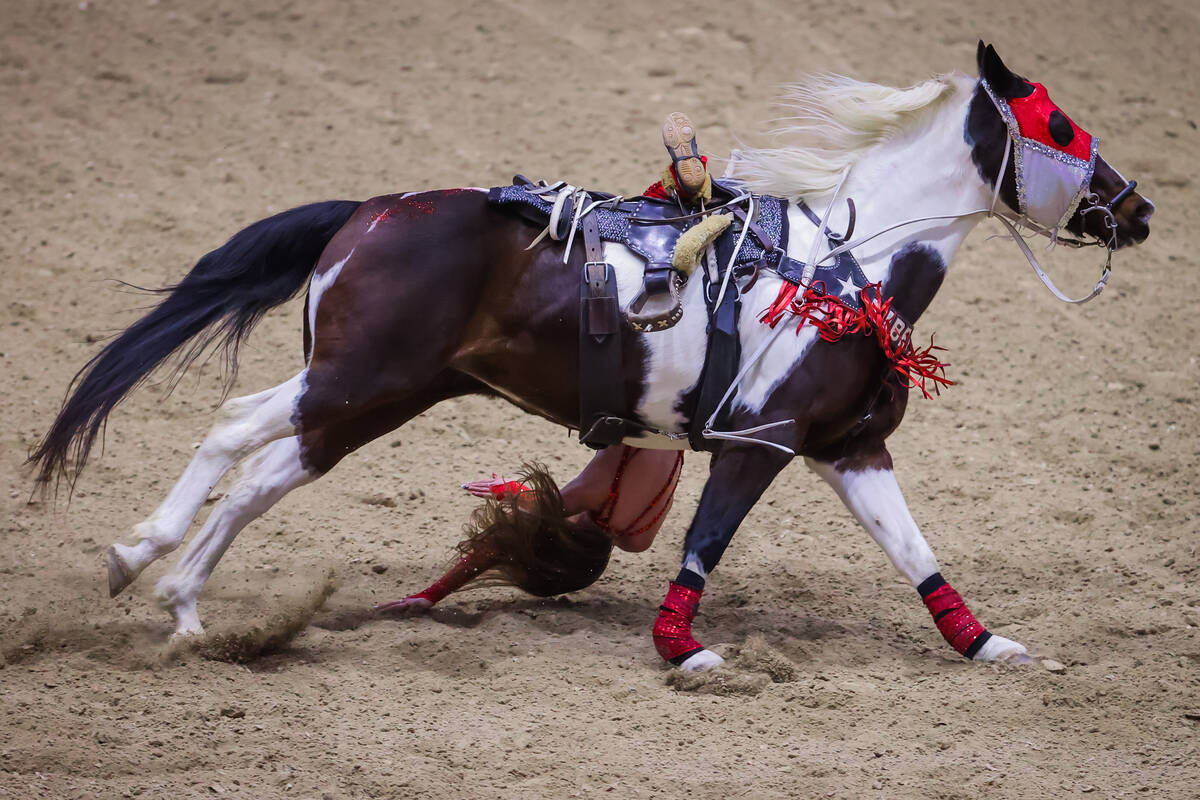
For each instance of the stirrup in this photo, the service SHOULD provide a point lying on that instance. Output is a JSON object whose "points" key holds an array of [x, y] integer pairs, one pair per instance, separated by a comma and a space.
{"points": [[657, 306]]}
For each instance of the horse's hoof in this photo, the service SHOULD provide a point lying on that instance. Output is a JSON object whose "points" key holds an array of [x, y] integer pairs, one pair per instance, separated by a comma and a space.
{"points": [[1006, 651], [119, 574], [186, 635], [1018, 658], [183, 641], [701, 661]]}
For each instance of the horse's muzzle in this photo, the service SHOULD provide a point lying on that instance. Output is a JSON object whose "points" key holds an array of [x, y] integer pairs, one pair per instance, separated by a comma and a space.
{"points": [[1132, 213]]}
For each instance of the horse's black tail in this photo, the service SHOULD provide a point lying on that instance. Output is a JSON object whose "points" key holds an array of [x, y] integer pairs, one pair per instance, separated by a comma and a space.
{"points": [[220, 300]]}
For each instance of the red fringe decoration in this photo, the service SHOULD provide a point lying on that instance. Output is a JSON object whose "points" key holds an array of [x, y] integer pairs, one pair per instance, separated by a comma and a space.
{"points": [[833, 319]]}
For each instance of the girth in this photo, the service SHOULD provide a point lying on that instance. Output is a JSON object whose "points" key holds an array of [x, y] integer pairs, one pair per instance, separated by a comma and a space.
{"points": [[601, 390]]}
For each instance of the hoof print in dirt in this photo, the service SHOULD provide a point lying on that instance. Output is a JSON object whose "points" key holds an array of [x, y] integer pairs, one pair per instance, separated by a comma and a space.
{"points": [[748, 670]]}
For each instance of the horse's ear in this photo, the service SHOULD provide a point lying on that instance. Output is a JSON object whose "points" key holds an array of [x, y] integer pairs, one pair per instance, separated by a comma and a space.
{"points": [[992, 69]]}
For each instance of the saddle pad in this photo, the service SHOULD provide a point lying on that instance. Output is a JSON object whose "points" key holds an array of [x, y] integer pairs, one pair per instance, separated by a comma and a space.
{"points": [[615, 225], [843, 278]]}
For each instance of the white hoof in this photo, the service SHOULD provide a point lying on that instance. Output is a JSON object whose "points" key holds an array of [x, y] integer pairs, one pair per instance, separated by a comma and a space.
{"points": [[120, 575], [181, 608], [126, 561], [998, 648], [702, 661], [181, 636]]}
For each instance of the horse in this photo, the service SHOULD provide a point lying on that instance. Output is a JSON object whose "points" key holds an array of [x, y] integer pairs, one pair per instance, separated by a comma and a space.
{"points": [[418, 297]]}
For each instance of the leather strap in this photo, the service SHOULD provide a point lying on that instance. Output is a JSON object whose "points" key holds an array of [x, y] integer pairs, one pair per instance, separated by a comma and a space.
{"points": [[834, 238], [721, 360], [601, 390], [768, 244]]}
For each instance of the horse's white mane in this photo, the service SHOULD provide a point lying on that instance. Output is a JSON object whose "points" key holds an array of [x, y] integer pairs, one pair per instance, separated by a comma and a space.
{"points": [[831, 122]]}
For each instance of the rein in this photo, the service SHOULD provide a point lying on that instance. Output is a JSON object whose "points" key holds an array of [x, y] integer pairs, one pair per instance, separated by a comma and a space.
{"points": [[1013, 230], [1011, 225]]}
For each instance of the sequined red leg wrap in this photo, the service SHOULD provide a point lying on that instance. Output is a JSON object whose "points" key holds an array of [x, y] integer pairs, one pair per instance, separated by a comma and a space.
{"points": [[673, 628], [956, 622]]}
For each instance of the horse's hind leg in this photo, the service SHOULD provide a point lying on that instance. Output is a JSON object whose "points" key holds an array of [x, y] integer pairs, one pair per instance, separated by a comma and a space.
{"points": [[265, 478], [869, 489], [245, 424], [274, 471]]}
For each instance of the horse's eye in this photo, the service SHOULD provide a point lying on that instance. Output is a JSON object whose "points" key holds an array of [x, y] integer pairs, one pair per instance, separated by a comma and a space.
{"points": [[1061, 129]]}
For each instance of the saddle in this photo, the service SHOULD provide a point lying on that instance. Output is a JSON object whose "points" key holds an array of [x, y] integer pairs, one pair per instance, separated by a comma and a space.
{"points": [[650, 227]]}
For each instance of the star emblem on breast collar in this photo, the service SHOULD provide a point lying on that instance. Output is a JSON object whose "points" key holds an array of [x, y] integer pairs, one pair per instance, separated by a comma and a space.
{"points": [[849, 287]]}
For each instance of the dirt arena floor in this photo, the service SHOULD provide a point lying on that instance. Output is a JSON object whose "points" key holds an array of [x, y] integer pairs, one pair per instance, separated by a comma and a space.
{"points": [[1057, 481]]}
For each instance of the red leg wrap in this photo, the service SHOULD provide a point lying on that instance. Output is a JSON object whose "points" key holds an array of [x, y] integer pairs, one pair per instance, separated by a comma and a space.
{"points": [[956, 622], [673, 628]]}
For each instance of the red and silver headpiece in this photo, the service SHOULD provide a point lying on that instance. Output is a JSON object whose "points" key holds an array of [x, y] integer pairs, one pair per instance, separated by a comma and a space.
{"points": [[1054, 157]]}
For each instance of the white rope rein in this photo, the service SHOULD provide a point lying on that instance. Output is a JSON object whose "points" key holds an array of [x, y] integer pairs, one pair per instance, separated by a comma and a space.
{"points": [[564, 193]]}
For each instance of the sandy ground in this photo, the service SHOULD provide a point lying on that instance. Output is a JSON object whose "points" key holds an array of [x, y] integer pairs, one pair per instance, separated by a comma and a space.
{"points": [[1057, 481]]}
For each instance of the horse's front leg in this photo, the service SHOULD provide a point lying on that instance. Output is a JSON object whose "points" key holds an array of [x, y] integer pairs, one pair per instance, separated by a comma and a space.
{"points": [[868, 487], [737, 478]]}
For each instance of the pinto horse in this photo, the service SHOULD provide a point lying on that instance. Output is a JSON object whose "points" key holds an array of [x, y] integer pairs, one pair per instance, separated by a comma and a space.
{"points": [[420, 297]]}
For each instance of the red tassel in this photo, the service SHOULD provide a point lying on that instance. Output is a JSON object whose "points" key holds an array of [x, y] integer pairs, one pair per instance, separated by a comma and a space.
{"points": [[833, 319], [775, 313]]}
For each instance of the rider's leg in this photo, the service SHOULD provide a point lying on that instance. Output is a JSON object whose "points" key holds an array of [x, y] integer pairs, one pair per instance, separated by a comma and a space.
{"points": [[687, 171]]}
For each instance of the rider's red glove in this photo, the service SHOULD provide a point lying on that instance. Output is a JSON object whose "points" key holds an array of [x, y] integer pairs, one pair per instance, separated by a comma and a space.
{"points": [[508, 489]]}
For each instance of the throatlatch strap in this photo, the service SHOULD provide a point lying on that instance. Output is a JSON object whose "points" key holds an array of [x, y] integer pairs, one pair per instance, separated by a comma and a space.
{"points": [[952, 617], [673, 628]]}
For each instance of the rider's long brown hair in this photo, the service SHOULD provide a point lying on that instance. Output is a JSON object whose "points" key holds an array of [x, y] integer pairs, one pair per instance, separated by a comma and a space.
{"points": [[539, 549]]}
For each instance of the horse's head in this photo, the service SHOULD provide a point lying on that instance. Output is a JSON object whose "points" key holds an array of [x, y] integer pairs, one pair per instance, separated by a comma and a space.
{"points": [[1053, 174]]}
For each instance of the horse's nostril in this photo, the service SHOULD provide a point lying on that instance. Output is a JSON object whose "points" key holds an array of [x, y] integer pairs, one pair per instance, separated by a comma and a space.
{"points": [[1143, 212]]}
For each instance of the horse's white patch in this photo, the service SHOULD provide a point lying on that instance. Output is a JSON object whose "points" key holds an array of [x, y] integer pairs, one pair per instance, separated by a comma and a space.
{"points": [[244, 424], [875, 499], [318, 284], [934, 155], [676, 355]]}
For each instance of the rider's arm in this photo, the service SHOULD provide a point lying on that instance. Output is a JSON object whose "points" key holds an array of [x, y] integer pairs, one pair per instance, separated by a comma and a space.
{"points": [[465, 570]]}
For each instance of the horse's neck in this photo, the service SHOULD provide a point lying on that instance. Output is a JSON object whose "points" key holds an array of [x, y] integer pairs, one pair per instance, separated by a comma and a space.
{"points": [[923, 172]]}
